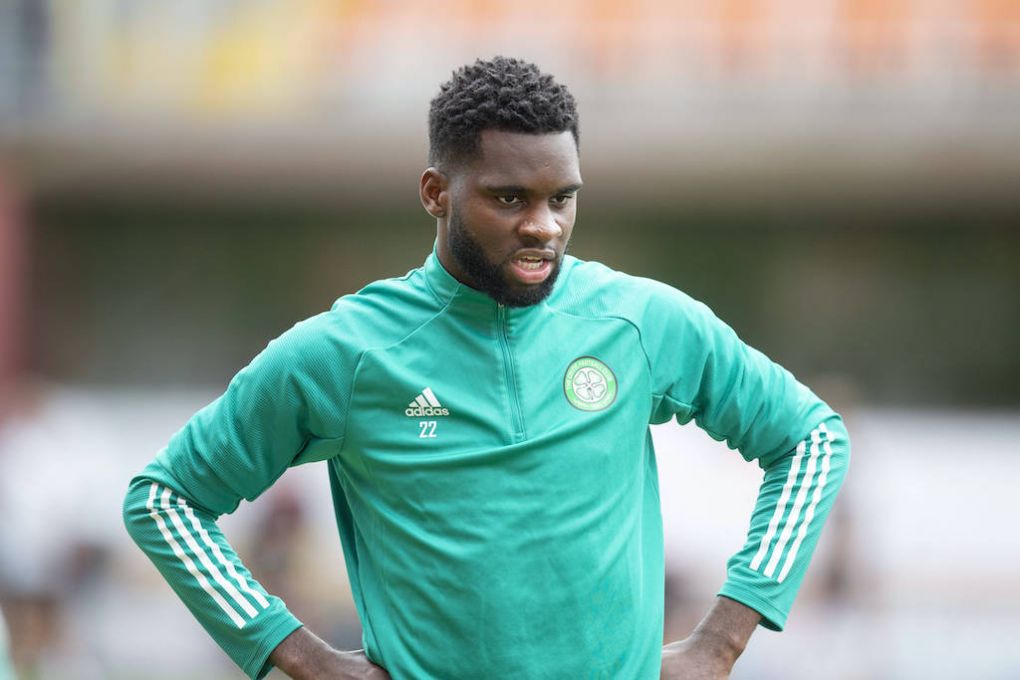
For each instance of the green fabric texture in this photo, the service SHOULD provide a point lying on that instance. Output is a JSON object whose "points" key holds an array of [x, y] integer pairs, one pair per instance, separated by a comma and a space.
{"points": [[493, 474]]}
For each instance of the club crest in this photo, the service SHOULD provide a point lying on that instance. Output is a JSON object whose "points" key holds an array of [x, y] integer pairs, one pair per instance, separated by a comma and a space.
{"points": [[589, 384]]}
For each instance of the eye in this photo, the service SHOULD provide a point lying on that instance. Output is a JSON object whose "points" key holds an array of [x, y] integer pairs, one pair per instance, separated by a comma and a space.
{"points": [[562, 199], [509, 199]]}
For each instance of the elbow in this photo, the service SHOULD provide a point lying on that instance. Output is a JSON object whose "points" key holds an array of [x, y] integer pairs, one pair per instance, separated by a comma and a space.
{"points": [[837, 444], [135, 510]]}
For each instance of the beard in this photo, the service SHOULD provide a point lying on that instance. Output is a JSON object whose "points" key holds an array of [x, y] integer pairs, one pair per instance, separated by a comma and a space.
{"points": [[490, 277]]}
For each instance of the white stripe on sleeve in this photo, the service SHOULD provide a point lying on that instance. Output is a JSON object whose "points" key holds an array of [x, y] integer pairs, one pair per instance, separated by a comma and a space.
{"points": [[811, 508], [791, 521], [220, 557], [203, 558], [188, 564], [791, 478]]}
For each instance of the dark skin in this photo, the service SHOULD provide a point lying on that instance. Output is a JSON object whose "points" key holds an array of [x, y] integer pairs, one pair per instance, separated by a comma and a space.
{"points": [[518, 198], [303, 656], [517, 203]]}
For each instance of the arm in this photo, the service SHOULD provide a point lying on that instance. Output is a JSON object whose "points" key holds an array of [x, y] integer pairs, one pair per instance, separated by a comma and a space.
{"points": [[796, 494], [763, 578], [704, 373], [285, 408], [202, 568], [303, 656], [710, 651], [185, 544]]}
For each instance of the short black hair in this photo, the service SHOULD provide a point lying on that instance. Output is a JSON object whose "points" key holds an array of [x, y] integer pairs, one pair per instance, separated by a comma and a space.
{"points": [[502, 94]]}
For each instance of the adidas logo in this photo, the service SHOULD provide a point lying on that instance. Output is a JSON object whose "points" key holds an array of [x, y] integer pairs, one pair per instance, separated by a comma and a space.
{"points": [[426, 404]]}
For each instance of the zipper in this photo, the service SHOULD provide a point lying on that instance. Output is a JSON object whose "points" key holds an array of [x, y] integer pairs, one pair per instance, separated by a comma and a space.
{"points": [[516, 419]]}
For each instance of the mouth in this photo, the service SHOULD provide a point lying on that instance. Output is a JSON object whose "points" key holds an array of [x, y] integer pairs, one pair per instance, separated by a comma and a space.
{"points": [[532, 266]]}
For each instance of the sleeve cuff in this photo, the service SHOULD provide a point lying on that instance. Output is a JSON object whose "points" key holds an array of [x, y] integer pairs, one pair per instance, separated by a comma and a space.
{"points": [[258, 666]]}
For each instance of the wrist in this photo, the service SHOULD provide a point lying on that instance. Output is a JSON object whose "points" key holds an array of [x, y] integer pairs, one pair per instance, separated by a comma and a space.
{"points": [[725, 630], [718, 644], [303, 656]]}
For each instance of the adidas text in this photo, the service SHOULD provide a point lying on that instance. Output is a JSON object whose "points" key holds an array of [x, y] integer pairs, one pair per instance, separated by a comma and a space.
{"points": [[426, 411]]}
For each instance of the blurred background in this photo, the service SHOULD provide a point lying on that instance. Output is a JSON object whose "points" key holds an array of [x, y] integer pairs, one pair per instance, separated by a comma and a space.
{"points": [[838, 179]]}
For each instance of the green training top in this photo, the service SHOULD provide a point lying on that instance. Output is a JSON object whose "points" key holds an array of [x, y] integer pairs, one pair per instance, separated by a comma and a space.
{"points": [[492, 472]]}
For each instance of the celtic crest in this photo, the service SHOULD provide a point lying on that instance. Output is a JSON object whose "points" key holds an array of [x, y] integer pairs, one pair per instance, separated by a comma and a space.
{"points": [[589, 384]]}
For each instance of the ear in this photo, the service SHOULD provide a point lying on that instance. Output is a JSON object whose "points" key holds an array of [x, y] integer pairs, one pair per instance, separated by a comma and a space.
{"points": [[434, 192]]}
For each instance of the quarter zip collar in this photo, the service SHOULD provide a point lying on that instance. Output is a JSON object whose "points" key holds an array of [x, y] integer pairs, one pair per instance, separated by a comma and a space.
{"points": [[451, 291]]}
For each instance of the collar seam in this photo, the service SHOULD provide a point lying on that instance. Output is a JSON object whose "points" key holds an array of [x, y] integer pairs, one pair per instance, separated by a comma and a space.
{"points": [[435, 293]]}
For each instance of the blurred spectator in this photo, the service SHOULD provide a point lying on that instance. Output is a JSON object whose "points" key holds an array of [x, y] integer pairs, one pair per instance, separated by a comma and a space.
{"points": [[56, 540], [12, 268]]}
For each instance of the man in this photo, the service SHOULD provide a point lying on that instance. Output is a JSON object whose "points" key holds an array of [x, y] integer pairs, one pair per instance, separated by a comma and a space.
{"points": [[485, 424]]}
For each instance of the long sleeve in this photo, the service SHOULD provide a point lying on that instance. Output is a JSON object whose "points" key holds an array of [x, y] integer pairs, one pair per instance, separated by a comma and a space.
{"points": [[191, 553], [793, 502], [287, 407], [703, 372]]}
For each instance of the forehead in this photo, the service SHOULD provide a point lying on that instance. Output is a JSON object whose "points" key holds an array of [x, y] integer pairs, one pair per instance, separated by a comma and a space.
{"points": [[515, 158]]}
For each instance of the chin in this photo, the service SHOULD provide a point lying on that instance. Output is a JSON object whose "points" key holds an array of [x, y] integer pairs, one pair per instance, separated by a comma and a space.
{"points": [[517, 295]]}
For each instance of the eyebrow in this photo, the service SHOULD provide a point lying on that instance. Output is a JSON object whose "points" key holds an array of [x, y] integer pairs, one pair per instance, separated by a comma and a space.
{"points": [[517, 189]]}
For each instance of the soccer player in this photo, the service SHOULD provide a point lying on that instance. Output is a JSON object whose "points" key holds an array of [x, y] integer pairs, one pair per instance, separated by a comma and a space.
{"points": [[484, 421]]}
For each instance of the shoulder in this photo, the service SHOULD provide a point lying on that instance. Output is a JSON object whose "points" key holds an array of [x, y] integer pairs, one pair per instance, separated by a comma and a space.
{"points": [[385, 311], [592, 289], [379, 314]]}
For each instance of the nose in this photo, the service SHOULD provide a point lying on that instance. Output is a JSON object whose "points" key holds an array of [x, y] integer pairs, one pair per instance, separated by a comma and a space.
{"points": [[541, 226]]}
